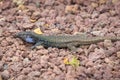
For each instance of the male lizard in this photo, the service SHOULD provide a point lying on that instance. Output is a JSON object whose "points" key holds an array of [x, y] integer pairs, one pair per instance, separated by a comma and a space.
{"points": [[61, 41]]}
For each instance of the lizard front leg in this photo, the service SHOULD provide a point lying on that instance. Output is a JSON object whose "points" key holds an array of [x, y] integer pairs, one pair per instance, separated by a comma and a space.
{"points": [[37, 44]]}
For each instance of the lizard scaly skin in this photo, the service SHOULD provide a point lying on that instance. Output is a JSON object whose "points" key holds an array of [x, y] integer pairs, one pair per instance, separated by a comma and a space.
{"points": [[61, 41]]}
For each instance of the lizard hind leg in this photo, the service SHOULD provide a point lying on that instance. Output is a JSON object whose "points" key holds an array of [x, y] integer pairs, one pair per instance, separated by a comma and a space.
{"points": [[71, 47]]}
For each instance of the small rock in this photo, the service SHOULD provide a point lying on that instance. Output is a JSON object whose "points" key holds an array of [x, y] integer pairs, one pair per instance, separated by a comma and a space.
{"points": [[108, 43], [35, 15], [71, 9], [42, 51], [36, 66], [5, 5], [107, 60], [85, 15], [0, 77], [16, 67], [44, 60], [55, 30], [34, 74], [96, 33], [114, 1], [60, 77], [28, 25], [1, 65], [21, 77], [112, 12], [118, 54], [94, 15], [4, 43], [110, 62], [57, 70], [5, 66], [98, 54], [2, 19], [15, 58], [26, 60], [49, 2], [97, 75], [5, 74], [110, 51], [103, 17], [89, 63], [1, 32], [102, 1], [70, 75], [26, 70], [91, 48], [94, 5], [8, 39]]}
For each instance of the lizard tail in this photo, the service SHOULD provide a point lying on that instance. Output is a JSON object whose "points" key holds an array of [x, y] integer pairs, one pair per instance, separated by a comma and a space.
{"points": [[113, 38], [99, 39]]}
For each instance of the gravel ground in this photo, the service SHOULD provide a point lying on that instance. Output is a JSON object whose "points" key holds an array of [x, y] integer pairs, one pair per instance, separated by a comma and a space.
{"points": [[99, 61]]}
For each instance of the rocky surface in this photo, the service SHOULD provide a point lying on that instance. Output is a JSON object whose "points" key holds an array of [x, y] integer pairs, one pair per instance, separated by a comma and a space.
{"points": [[99, 61]]}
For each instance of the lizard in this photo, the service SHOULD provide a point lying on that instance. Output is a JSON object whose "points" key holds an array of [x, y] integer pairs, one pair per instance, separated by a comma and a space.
{"points": [[61, 41]]}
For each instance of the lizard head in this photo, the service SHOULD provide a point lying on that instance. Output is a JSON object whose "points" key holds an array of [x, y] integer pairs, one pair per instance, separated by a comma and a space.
{"points": [[27, 36]]}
